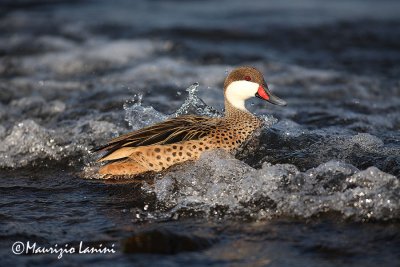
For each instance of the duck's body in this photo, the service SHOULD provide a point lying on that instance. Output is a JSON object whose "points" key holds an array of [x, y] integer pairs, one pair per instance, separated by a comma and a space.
{"points": [[184, 138]]}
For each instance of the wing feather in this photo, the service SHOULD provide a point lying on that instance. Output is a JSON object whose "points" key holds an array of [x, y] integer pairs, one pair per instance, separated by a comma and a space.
{"points": [[183, 128]]}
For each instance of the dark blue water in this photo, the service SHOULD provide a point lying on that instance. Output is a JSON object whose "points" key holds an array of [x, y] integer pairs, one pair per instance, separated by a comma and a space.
{"points": [[318, 186]]}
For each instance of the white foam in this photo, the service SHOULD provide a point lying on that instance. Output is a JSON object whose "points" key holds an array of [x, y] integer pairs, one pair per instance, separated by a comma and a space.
{"points": [[30, 143], [217, 181]]}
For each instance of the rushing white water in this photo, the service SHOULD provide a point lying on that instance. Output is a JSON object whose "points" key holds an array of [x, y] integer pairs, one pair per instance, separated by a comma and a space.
{"points": [[218, 184]]}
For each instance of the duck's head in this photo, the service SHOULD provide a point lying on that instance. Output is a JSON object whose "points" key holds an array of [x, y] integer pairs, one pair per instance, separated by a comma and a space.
{"points": [[247, 82]]}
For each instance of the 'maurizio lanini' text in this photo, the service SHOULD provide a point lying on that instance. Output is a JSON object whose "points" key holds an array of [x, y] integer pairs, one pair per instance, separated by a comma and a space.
{"points": [[19, 248]]}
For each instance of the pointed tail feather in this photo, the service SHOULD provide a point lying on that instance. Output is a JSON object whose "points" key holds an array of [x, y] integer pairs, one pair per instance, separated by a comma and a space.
{"points": [[120, 153]]}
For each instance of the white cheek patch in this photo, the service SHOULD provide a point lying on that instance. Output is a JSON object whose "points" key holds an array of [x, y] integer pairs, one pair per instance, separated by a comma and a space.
{"points": [[237, 92]]}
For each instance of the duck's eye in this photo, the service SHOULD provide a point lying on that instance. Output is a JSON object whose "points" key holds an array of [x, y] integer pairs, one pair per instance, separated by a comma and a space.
{"points": [[247, 78]]}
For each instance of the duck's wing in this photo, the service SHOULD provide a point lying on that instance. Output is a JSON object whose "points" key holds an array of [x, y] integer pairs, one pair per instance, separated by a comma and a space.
{"points": [[174, 130]]}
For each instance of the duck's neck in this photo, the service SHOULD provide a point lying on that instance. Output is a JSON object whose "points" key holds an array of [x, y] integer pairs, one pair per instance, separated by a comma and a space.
{"points": [[241, 121], [236, 113]]}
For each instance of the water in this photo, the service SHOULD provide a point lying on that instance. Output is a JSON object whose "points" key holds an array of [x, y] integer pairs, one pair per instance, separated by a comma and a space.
{"points": [[317, 186]]}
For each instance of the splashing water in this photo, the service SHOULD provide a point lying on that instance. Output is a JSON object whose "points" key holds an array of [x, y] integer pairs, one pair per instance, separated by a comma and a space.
{"points": [[139, 116], [28, 143], [195, 105], [219, 185]]}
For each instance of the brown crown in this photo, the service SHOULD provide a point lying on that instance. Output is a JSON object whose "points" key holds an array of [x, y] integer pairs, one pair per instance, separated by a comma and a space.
{"points": [[241, 73]]}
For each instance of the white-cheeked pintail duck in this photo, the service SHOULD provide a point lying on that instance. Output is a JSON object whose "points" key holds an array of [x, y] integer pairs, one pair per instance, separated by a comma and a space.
{"points": [[184, 138]]}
